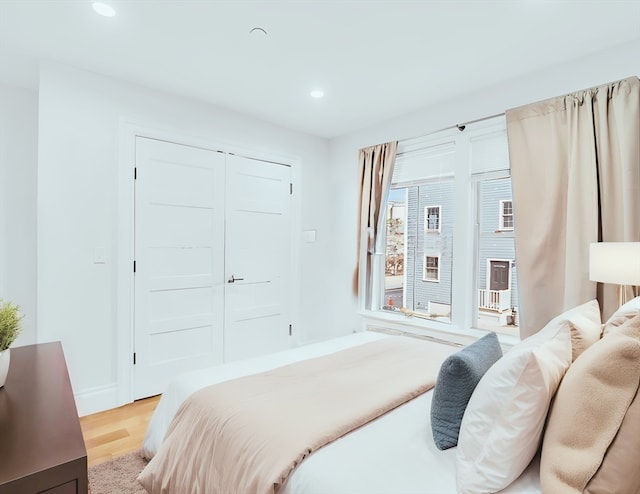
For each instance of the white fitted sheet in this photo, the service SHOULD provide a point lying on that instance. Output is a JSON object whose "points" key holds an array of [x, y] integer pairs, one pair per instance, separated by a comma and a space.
{"points": [[393, 454]]}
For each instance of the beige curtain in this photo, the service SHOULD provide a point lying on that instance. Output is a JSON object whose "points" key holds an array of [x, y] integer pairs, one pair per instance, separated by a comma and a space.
{"points": [[376, 169], [575, 167]]}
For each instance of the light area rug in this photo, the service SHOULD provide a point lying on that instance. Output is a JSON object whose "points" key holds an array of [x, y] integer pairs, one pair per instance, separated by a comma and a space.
{"points": [[118, 475]]}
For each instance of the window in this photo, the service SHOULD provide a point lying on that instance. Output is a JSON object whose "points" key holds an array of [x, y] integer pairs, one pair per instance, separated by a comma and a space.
{"points": [[506, 215], [496, 266], [462, 174], [423, 283], [422, 187], [432, 219], [431, 268], [394, 264]]}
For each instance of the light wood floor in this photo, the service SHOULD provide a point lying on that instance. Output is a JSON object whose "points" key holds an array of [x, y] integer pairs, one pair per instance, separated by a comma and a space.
{"points": [[118, 431]]}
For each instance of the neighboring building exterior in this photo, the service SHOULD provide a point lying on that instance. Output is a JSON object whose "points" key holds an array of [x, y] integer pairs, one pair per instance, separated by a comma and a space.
{"points": [[428, 241], [496, 253]]}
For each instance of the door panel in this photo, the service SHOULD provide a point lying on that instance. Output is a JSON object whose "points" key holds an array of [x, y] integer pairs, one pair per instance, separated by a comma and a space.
{"points": [[499, 275], [258, 258], [179, 251]]}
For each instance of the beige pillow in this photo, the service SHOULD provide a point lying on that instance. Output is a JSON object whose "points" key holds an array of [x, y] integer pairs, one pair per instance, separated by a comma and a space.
{"points": [[620, 466], [585, 325], [627, 311], [589, 407]]}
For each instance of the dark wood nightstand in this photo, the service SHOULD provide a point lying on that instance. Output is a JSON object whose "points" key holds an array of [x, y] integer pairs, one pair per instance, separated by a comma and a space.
{"points": [[41, 444]]}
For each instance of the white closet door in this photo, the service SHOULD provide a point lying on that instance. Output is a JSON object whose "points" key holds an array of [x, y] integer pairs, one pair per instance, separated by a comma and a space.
{"points": [[258, 258], [179, 252]]}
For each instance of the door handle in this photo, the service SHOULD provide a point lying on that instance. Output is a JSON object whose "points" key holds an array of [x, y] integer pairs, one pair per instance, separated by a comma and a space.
{"points": [[233, 279]]}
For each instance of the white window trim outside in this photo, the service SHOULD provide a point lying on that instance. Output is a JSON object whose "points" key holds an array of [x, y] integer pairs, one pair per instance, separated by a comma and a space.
{"points": [[502, 215], [424, 268], [426, 219]]}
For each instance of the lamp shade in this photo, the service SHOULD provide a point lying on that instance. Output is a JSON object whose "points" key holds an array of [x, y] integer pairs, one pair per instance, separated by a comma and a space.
{"points": [[615, 262]]}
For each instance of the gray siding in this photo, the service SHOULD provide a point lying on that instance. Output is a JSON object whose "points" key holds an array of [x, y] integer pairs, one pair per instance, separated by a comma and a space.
{"points": [[411, 242], [491, 193], [432, 243], [495, 244]]}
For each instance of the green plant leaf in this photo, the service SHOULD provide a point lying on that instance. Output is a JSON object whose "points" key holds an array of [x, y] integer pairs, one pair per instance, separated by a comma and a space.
{"points": [[10, 324]]}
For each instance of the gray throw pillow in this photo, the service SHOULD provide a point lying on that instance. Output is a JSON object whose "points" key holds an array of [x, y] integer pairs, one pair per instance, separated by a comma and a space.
{"points": [[458, 377]]}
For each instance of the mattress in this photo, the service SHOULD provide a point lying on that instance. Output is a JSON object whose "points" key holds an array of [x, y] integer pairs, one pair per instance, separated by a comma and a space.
{"points": [[394, 453]]}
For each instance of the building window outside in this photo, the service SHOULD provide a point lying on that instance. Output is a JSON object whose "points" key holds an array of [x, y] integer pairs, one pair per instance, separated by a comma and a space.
{"points": [[432, 219], [506, 215], [431, 268]]}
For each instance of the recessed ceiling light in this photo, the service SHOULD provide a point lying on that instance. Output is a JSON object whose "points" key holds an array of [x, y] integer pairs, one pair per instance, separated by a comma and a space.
{"points": [[103, 9], [317, 93], [258, 31]]}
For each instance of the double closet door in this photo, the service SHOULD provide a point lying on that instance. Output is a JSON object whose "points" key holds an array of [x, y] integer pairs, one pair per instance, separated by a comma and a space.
{"points": [[213, 243]]}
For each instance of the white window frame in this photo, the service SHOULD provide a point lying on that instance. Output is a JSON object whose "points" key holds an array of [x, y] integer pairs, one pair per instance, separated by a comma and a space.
{"points": [[503, 215], [426, 219], [469, 169], [425, 267]]}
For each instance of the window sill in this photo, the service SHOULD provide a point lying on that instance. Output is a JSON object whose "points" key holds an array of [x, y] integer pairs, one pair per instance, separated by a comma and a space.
{"points": [[398, 323]]}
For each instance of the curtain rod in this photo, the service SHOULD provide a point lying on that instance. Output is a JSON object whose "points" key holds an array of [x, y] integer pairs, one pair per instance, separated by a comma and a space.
{"points": [[460, 127]]}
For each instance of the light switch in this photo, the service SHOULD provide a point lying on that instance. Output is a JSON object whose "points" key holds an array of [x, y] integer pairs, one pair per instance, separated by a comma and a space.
{"points": [[309, 236], [99, 256]]}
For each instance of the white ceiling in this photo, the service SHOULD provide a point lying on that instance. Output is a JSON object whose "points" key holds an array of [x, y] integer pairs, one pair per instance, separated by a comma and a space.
{"points": [[374, 59]]}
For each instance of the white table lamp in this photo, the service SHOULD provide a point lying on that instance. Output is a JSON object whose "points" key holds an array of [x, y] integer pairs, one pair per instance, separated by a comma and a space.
{"points": [[617, 263]]}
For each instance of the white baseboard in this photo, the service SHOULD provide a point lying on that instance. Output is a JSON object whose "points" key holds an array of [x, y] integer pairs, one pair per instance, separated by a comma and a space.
{"points": [[97, 399]]}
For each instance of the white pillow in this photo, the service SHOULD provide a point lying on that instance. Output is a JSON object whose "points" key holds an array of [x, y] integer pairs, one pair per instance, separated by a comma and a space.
{"points": [[503, 423], [625, 312]]}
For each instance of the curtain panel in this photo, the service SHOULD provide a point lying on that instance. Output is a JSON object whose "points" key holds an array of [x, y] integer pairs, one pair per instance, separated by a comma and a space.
{"points": [[376, 170], [575, 167]]}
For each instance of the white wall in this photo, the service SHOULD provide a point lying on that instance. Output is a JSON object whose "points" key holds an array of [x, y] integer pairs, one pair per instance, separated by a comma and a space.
{"points": [[66, 141], [600, 68], [79, 118], [18, 168]]}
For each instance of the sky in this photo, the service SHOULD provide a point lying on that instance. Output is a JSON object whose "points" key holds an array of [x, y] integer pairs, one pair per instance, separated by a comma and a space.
{"points": [[397, 195]]}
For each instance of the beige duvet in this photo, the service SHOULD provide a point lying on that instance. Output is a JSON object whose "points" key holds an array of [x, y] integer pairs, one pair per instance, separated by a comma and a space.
{"points": [[247, 435]]}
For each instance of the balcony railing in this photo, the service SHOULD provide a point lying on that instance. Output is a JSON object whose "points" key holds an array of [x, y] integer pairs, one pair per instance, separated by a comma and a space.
{"points": [[496, 300]]}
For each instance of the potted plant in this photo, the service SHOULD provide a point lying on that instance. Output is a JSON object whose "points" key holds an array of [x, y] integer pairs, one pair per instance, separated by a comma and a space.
{"points": [[10, 327]]}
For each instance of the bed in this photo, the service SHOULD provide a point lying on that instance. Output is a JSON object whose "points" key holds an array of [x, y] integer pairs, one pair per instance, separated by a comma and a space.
{"points": [[557, 413], [393, 453]]}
